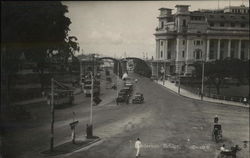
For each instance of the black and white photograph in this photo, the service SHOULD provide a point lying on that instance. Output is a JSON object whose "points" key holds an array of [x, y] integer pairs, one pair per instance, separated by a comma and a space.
{"points": [[125, 79]]}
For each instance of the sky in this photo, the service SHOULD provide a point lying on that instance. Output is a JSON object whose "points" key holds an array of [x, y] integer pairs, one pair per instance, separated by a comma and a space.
{"points": [[124, 28]]}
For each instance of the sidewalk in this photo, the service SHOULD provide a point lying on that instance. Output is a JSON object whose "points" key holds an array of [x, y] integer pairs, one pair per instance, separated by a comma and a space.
{"points": [[188, 94], [69, 147]]}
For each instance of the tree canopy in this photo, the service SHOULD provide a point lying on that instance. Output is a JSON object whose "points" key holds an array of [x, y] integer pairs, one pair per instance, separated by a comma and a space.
{"points": [[216, 71], [35, 28]]}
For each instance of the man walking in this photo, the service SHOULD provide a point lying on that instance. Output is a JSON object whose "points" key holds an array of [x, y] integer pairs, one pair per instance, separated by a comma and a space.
{"points": [[137, 147]]}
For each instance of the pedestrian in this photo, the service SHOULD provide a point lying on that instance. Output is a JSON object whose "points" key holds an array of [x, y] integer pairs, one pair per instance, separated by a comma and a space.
{"points": [[216, 119], [137, 147], [136, 80]]}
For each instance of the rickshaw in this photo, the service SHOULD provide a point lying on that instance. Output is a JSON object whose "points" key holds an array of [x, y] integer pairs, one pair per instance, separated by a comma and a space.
{"points": [[230, 153], [138, 98], [217, 133]]}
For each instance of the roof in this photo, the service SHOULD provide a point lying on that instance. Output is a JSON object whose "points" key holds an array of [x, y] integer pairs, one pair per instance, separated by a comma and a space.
{"points": [[228, 17], [165, 9], [182, 6]]}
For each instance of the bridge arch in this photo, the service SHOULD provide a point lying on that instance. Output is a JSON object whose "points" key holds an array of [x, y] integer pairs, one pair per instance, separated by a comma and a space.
{"points": [[117, 65], [141, 66]]}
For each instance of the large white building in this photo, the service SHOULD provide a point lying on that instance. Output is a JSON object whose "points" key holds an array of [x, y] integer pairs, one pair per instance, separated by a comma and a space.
{"points": [[188, 36]]}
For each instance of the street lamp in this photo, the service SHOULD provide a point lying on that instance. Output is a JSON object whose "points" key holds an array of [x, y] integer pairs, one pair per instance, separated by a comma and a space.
{"points": [[202, 79], [90, 125]]}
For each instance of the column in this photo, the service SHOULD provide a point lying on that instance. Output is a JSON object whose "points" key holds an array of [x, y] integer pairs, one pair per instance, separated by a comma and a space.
{"points": [[177, 55], [218, 50], [166, 50], [208, 47], [229, 48], [239, 49], [187, 56], [157, 49]]}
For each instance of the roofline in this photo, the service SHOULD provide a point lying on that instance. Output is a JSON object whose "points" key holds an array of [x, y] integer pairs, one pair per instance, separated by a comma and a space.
{"points": [[182, 5], [165, 9]]}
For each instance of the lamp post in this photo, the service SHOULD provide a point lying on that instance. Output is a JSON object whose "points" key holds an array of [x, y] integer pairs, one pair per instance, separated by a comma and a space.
{"points": [[117, 78], [202, 79], [52, 116], [90, 125]]}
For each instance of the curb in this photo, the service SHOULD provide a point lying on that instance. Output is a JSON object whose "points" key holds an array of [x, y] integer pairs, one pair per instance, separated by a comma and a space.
{"points": [[202, 100], [77, 149]]}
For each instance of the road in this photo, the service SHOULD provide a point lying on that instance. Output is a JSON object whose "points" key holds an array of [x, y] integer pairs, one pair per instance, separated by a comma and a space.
{"points": [[167, 124]]}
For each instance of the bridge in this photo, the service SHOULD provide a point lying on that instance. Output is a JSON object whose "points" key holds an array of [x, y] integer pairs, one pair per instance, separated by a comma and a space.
{"points": [[141, 66]]}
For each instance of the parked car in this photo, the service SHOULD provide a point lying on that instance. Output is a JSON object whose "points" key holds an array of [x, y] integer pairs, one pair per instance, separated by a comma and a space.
{"points": [[122, 97], [138, 98]]}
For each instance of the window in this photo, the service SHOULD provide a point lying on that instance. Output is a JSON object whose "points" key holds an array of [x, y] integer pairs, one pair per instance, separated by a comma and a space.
{"points": [[169, 55], [222, 24], [161, 43], [183, 42], [183, 53], [184, 22], [242, 55], [242, 25], [232, 25], [162, 24], [198, 43], [161, 54], [197, 54], [211, 24], [243, 45]]}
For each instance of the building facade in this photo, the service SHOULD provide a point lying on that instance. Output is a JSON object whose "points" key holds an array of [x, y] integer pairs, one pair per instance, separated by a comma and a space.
{"points": [[203, 35]]}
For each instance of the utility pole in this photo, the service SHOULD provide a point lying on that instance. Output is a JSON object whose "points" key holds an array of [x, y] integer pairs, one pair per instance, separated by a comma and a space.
{"points": [[202, 79], [91, 100], [117, 77], [52, 116], [90, 125], [179, 83]]}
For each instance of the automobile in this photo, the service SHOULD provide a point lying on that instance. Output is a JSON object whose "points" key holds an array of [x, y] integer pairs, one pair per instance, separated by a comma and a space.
{"points": [[122, 97], [153, 77], [138, 98], [126, 90], [61, 98], [87, 90], [129, 87]]}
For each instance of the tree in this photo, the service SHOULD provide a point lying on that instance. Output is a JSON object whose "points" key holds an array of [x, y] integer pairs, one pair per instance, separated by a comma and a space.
{"points": [[218, 70], [33, 28]]}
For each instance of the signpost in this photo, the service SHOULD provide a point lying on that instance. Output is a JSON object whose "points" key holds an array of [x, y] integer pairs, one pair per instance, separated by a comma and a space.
{"points": [[72, 127]]}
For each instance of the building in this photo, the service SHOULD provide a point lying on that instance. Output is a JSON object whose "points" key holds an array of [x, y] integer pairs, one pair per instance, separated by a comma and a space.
{"points": [[203, 35]]}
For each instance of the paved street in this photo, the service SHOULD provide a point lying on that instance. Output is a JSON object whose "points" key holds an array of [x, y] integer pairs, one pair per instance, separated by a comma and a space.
{"points": [[167, 124]]}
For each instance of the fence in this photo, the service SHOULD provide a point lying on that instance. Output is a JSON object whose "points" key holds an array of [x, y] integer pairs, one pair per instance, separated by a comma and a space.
{"points": [[220, 97]]}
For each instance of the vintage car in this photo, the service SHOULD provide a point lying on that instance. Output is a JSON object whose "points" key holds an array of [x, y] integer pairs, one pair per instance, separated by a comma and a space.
{"points": [[61, 98], [126, 90], [122, 97], [138, 98], [130, 86]]}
